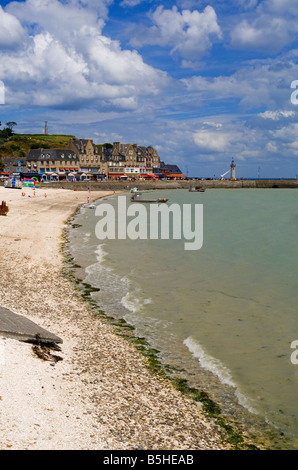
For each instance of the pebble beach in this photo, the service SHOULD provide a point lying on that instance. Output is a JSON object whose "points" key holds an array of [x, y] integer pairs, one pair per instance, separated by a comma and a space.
{"points": [[100, 395]]}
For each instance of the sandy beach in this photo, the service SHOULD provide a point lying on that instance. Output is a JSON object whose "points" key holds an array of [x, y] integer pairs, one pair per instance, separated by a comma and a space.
{"points": [[100, 395]]}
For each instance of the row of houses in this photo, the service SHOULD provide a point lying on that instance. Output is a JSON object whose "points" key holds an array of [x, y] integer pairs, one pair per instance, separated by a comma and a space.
{"points": [[82, 158]]}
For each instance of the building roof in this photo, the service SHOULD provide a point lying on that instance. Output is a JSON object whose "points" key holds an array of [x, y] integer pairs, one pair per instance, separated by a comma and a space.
{"points": [[80, 144], [109, 155], [170, 168], [51, 154], [11, 160]]}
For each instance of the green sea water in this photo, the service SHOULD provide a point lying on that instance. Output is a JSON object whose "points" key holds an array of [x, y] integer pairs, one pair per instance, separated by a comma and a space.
{"points": [[225, 315]]}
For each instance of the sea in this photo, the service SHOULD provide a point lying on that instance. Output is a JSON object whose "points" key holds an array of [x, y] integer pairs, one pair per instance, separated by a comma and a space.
{"points": [[224, 316]]}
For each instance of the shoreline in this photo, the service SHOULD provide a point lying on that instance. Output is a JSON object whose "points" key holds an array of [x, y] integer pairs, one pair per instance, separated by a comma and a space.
{"points": [[262, 437], [101, 395]]}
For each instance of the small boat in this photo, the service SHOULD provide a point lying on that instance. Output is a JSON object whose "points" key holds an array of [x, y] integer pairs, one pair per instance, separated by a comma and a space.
{"points": [[134, 190], [196, 189], [138, 198]]}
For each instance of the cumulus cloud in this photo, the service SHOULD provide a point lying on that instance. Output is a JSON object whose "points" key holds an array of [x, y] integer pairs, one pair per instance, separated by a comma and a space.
{"points": [[11, 30], [254, 84], [265, 34], [272, 27], [188, 33], [67, 59], [284, 7], [211, 140], [277, 115]]}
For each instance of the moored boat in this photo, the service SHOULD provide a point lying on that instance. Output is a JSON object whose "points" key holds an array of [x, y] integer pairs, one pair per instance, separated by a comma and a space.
{"points": [[196, 189], [139, 198]]}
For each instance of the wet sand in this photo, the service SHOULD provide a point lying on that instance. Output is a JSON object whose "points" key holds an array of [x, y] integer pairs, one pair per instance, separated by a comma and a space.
{"points": [[100, 395]]}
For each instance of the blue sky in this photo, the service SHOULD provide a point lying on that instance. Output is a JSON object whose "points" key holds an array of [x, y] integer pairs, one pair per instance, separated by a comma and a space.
{"points": [[202, 81]]}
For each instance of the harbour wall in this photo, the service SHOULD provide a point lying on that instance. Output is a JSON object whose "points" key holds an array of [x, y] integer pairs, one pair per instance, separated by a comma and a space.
{"points": [[167, 184]]}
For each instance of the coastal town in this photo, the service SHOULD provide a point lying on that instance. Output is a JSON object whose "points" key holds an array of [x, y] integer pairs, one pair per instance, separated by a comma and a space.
{"points": [[82, 159]]}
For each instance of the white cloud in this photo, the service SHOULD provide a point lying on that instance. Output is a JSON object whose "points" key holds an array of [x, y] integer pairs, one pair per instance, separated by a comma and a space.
{"points": [[276, 115], [284, 7], [269, 28], [254, 84], [188, 34], [72, 65], [64, 20], [212, 140], [11, 30], [267, 34], [271, 147]]}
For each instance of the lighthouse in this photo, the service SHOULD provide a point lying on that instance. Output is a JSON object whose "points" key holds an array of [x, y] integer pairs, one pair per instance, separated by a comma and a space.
{"points": [[233, 172]]}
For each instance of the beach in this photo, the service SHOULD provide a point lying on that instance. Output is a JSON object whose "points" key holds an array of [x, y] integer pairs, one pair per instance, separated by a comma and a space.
{"points": [[101, 394]]}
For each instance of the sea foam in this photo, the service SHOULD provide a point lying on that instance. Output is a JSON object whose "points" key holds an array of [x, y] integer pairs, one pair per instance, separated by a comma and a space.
{"points": [[216, 367]]}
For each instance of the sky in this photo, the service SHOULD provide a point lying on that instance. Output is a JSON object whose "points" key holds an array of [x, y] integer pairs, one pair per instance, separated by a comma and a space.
{"points": [[201, 81]]}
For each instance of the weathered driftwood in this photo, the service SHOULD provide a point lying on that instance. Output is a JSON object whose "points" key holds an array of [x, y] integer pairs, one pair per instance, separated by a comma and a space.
{"points": [[3, 208]]}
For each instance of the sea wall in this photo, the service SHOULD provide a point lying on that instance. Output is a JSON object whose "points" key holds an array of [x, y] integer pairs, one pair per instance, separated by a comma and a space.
{"points": [[162, 185]]}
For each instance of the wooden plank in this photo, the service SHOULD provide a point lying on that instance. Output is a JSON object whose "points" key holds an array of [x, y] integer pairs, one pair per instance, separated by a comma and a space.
{"points": [[21, 328]]}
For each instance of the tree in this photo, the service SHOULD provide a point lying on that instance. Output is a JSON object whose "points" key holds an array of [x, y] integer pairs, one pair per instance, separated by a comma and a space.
{"points": [[11, 125], [8, 130], [2, 165]]}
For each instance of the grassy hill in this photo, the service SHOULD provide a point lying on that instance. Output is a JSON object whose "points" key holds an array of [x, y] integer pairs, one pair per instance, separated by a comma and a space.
{"points": [[18, 145]]}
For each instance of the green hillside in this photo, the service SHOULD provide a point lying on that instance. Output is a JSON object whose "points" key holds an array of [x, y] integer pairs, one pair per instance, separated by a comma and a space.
{"points": [[18, 145]]}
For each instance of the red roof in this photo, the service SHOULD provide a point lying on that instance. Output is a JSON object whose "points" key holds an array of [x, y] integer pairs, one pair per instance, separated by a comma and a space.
{"points": [[149, 175], [176, 175]]}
